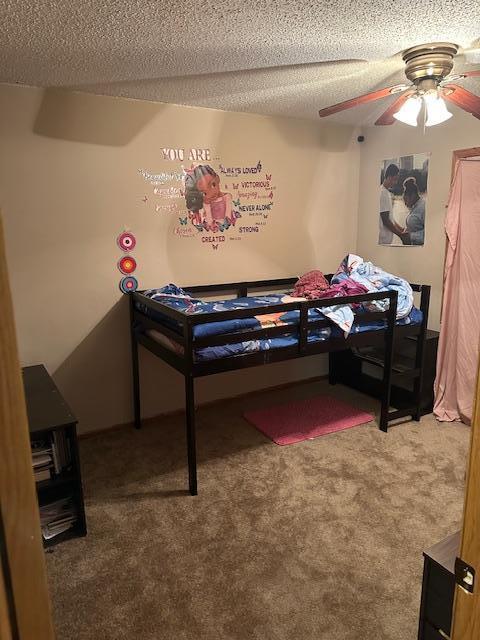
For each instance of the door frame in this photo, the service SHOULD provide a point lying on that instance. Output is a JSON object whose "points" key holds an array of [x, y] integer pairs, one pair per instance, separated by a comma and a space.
{"points": [[473, 152]]}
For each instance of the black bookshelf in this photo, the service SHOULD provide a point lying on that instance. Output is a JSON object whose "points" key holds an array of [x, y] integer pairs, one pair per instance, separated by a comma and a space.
{"points": [[438, 589], [48, 412]]}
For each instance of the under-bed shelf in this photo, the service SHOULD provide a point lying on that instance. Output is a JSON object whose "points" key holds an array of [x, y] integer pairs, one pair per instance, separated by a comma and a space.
{"points": [[401, 366]]}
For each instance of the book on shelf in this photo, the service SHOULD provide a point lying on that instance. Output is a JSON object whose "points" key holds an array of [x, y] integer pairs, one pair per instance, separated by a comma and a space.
{"points": [[57, 517], [52, 454], [60, 450], [42, 474], [41, 459]]}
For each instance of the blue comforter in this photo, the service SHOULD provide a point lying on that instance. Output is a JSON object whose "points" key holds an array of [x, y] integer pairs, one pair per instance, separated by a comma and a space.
{"points": [[376, 279], [177, 298]]}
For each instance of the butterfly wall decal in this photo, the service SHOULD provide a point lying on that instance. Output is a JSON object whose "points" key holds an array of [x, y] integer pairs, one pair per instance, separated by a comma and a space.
{"points": [[183, 220], [214, 246], [199, 227], [225, 225], [268, 177], [236, 202]]}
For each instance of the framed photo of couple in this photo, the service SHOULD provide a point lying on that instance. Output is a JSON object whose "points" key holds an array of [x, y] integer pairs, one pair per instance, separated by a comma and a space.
{"points": [[402, 201]]}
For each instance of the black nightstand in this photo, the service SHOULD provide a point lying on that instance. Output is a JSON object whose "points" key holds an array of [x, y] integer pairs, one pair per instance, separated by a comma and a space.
{"points": [[438, 589], [53, 434]]}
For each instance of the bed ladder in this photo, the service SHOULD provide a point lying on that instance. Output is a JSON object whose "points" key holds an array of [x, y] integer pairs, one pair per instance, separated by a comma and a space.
{"points": [[346, 368]]}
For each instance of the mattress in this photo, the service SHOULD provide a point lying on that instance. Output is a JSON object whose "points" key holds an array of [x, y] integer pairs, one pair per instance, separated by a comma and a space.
{"points": [[194, 306]]}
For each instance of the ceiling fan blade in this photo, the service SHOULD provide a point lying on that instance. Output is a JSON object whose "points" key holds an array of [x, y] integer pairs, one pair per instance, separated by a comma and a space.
{"points": [[368, 97], [459, 76], [387, 116], [463, 98]]}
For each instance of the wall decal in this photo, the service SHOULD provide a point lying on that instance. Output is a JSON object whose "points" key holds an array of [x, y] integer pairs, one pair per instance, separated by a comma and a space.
{"points": [[185, 232], [168, 208], [402, 201], [236, 171], [126, 241], [194, 154], [127, 265], [156, 179], [209, 207], [128, 284], [211, 201], [168, 192]]}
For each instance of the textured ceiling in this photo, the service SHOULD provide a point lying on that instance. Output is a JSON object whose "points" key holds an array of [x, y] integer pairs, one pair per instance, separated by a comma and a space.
{"points": [[277, 57]]}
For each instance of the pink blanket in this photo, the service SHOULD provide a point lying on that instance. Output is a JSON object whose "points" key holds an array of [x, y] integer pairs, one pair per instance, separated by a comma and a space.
{"points": [[314, 285], [347, 287], [311, 285]]}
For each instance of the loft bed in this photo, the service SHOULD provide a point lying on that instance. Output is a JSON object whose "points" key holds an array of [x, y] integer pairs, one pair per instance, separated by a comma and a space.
{"points": [[173, 336]]}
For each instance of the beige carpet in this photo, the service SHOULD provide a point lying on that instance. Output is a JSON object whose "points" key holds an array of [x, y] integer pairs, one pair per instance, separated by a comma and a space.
{"points": [[320, 540]]}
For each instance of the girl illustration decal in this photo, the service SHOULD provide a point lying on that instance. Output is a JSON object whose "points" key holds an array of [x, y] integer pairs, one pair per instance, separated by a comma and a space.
{"points": [[194, 201], [209, 208]]}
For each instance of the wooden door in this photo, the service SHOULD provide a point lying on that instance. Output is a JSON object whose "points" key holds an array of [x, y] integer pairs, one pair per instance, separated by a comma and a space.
{"points": [[6, 632], [466, 610], [24, 601]]}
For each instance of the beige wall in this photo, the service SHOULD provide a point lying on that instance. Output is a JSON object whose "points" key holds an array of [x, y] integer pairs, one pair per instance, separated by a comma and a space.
{"points": [[69, 184], [416, 264]]}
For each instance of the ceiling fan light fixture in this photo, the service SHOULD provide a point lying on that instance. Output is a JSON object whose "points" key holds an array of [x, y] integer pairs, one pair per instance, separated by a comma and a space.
{"points": [[437, 111], [429, 68], [408, 112]]}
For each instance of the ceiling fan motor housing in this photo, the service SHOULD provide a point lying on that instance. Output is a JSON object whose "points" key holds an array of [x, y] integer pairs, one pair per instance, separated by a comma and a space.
{"points": [[429, 61]]}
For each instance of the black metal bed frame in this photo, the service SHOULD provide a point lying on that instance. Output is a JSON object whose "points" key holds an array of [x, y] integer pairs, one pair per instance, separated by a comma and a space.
{"points": [[186, 364]]}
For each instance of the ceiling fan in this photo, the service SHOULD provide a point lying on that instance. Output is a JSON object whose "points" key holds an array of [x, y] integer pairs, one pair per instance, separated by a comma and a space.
{"points": [[427, 67]]}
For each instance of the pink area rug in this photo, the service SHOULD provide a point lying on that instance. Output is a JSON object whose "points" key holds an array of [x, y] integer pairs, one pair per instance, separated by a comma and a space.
{"points": [[306, 419]]}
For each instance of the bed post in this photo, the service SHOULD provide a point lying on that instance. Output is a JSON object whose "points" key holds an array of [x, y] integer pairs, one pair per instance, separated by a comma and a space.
{"points": [[420, 352], [332, 367], [190, 409], [135, 367], [387, 365], [190, 424]]}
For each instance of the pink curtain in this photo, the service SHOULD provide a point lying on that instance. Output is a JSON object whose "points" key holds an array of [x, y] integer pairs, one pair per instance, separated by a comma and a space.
{"points": [[458, 349]]}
